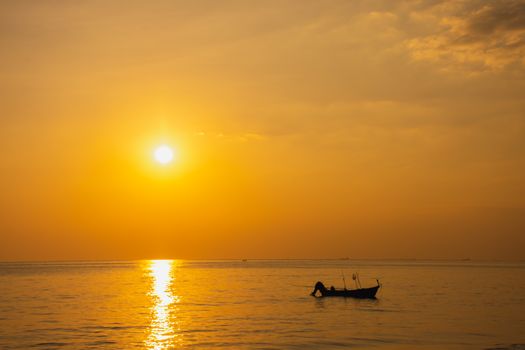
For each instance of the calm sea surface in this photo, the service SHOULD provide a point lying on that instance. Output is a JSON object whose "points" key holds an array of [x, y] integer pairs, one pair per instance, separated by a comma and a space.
{"points": [[260, 305]]}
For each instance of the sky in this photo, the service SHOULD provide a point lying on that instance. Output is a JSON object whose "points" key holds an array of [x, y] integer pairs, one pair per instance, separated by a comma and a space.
{"points": [[302, 129]]}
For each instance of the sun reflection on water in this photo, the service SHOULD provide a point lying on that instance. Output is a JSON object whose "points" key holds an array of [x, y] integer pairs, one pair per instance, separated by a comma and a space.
{"points": [[163, 334]]}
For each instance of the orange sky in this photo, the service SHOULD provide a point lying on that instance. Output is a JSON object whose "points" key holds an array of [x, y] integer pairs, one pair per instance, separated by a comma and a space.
{"points": [[304, 129]]}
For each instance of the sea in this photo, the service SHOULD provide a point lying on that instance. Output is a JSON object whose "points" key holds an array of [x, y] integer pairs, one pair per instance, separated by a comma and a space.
{"points": [[261, 304]]}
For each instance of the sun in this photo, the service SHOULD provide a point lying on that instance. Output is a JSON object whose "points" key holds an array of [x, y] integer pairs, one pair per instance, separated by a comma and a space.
{"points": [[163, 154]]}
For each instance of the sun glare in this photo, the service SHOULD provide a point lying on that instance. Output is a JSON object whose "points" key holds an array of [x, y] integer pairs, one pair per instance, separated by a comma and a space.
{"points": [[163, 154], [164, 329]]}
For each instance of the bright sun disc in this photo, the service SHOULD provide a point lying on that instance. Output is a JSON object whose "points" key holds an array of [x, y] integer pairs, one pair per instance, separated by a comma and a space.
{"points": [[163, 154]]}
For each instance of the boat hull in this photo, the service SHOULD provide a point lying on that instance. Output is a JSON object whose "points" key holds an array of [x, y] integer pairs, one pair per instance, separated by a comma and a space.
{"points": [[361, 293]]}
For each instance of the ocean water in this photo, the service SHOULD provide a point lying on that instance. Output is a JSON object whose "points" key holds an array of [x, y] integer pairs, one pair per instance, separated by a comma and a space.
{"points": [[260, 304]]}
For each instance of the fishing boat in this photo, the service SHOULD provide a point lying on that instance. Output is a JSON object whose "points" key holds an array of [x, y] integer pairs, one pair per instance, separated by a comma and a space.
{"points": [[360, 293]]}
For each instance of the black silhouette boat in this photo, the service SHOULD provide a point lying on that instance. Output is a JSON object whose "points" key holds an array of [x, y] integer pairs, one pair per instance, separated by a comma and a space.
{"points": [[360, 293]]}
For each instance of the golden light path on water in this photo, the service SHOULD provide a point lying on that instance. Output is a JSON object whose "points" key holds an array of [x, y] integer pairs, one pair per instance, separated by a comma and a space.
{"points": [[163, 334]]}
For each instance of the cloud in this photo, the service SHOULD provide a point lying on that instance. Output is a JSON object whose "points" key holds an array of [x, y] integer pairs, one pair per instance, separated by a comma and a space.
{"points": [[473, 35], [233, 137]]}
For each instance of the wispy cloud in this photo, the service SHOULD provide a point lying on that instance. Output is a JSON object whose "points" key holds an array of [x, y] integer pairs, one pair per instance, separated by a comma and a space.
{"points": [[473, 35], [234, 136]]}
